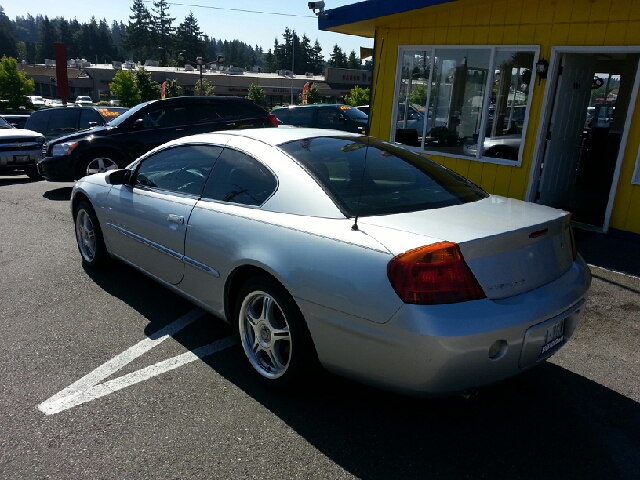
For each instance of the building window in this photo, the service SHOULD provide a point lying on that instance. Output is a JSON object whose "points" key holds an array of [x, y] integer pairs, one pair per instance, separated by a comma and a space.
{"points": [[450, 100]]}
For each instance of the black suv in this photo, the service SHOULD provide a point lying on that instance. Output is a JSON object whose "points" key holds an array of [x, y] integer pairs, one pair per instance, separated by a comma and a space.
{"points": [[57, 121], [142, 128]]}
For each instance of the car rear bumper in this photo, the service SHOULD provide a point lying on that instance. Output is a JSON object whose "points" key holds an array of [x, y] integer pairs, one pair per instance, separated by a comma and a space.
{"points": [[445, 349], [57, 169]]}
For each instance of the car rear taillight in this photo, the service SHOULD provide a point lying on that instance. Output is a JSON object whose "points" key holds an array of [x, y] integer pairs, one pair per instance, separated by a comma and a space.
{"points": [[432, 275], [273, 120]]}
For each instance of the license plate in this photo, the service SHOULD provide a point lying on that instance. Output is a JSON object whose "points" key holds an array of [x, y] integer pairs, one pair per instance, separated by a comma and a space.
{"points": [[554, 336], [21, 158]]}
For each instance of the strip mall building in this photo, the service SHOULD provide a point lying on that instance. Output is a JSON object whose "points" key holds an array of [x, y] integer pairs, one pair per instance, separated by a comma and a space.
{"points": [[533, 99]]}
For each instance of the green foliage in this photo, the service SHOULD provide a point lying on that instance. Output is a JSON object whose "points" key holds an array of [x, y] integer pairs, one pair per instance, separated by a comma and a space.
{"points": [[256, 93], [103, 103], [205, 88], [419, 94], [337, 58], [172, 89], [149, 90], [314, 95], [124, 86], [359, 96], [14, 84]]}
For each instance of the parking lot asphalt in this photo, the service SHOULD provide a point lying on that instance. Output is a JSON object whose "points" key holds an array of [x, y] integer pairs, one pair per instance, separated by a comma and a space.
{"points": [[575, 416]]}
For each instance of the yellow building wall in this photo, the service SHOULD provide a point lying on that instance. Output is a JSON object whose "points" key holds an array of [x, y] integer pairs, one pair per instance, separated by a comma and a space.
{"points": [[546, 23]]}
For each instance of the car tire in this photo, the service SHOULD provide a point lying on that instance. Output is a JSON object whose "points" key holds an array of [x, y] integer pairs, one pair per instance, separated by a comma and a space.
{"points": [[273, 334], [32, 173], [95, 163], [89, 237]]}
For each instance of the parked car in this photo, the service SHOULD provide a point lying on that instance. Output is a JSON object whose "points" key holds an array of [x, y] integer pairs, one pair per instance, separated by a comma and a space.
{"points": [[83, 100], [20, 149], [115, 102], [335, 116], [505, 146], [16, 120], [54, 102], [142, 128], [321, 245], [37, 101], [55, 122]]}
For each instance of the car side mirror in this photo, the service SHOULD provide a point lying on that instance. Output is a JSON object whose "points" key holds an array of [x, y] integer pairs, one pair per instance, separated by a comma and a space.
{"points": [[119, 177], [138, 124]]}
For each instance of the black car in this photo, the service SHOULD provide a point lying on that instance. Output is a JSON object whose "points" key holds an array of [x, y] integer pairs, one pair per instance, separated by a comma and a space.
{"points": [[142, 128], [16, 120], [19, 149], [58, 121], [335, 116]]}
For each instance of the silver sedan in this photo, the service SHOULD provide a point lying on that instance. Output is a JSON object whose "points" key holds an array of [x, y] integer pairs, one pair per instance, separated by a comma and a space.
{"points": [[323, 246]]}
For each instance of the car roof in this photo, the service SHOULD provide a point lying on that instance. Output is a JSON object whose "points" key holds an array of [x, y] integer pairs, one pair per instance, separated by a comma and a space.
{"points": [[270, 136]]}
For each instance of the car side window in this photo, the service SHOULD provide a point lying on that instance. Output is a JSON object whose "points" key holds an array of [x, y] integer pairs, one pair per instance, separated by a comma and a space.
{"points": [[89, 115], [301, 117], [62, 120], [203, 114], [172, 116], [239, 178], [182, 169], [328, 117]]}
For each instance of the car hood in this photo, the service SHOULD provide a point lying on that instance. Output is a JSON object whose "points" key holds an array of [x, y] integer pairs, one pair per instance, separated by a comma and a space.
{"points": [[510, 245], [80, 134], [18, 133]]}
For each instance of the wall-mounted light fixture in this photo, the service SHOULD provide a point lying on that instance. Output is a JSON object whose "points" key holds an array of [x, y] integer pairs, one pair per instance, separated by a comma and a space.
{"points": [[542, 67]]}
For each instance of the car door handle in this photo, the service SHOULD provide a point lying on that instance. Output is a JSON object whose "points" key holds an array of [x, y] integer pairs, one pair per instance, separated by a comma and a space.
{"points": [[177, 219]]}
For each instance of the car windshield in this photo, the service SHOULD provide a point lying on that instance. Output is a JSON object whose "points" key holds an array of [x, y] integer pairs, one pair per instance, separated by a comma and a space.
{"points": [[118, 120], [353, 112], [366, 176], [4, 123]]}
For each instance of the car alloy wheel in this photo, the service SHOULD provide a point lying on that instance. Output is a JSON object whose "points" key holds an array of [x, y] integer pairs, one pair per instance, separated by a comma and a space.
{"points": [[89, 236], [265, 334], [85, 233], [101, 165]]}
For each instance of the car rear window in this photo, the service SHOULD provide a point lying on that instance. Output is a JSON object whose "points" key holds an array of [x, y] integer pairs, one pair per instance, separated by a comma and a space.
{"points": [[352, 112], [368, 177]]}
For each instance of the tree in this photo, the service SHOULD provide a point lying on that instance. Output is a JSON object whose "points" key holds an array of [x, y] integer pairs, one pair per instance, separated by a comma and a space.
{"points": [[354, 61], [359, 96], [256, 93], [189, 38], [172, 89], [125, 88], [48, 36], [8, 39], [419, 94], [149, 90], [313, 96], [204, 88], [137, 39], [14, 84], [337, 58], [162, 29]]}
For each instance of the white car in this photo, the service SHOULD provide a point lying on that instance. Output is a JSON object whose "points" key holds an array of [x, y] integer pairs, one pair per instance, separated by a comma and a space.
{"points": [[83, 100], [37, 101], [321, 245]]}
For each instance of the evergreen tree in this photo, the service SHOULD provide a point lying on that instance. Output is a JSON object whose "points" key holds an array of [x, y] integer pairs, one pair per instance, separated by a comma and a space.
{"points": [[48, 36], [189, 38], [337, 58], [137, 38], [317, 60], [8, 39], [163, 29], [354, 61]]}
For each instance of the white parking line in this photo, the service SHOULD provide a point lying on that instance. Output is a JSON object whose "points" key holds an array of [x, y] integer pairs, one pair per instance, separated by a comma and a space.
{"points": [[89, 388]]}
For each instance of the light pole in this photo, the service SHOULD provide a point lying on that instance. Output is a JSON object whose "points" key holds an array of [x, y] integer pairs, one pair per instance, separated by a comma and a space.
{"points": [[293, 57], [200, 62]]}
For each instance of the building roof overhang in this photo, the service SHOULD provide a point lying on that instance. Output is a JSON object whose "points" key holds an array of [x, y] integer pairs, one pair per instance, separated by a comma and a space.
{"points": [[361, 18]]}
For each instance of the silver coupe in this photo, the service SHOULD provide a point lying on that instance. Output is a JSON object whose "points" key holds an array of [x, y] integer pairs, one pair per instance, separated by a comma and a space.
{"points": [[337, 248]]}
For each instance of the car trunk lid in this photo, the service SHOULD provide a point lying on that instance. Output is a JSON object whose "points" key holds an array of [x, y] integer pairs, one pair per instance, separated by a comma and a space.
{"points": [[510, 246]]}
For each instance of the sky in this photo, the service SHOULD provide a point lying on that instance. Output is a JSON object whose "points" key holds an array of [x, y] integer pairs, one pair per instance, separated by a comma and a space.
{"points": [[220, 19]]}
